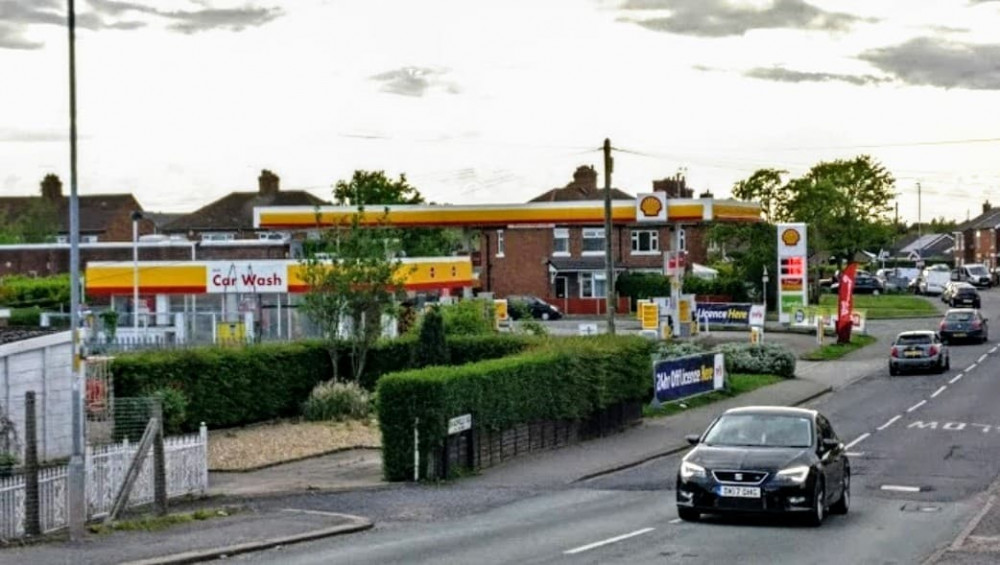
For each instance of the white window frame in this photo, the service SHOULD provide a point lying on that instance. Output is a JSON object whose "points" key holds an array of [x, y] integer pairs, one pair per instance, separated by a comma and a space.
{"points": [[500, 243], [560, 234], [218, 236], [592, 277], [654, 242], [591, 234]]}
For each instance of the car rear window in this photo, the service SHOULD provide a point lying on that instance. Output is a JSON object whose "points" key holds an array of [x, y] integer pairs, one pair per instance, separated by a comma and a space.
{"points": [[915, 339], [959, 316], [967, 291]]}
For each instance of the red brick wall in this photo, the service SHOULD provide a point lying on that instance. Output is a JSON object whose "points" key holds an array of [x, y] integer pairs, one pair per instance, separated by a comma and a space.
{"points": [[119, 227], [522, 269]]}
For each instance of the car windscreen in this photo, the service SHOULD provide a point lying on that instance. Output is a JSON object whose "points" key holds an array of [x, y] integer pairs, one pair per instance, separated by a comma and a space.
{"points": [[760, 430], [913, 339], [977, 270], [959, 316]]}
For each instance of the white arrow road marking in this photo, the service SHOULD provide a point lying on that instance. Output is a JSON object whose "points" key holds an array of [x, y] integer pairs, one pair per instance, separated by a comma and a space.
{"points": [[956, 378], [889, 423], [859, 439], [970, 367], [982, 358], [608, 541], [900, 488], [917, 405], [939, 391]]}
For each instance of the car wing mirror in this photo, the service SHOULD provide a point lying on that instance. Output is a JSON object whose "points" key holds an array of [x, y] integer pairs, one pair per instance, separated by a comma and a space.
{"points": [[693, 439], [829, 443]]}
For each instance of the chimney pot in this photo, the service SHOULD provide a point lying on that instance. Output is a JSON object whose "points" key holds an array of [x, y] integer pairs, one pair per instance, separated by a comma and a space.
{"points": [[268, 182], [987, 206], [51, 187]]}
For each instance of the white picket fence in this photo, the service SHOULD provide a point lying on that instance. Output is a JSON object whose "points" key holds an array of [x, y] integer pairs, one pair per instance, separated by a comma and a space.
{"points": [[187, 473]]}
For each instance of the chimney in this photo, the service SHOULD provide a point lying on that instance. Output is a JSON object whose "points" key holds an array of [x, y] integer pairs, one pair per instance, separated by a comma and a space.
{"points": [[674, 187], [268, 183], [987, 206], [51, 188], [585, 179]]}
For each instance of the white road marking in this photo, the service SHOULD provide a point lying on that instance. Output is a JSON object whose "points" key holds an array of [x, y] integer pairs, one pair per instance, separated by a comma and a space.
{"points": [[859, 439], [855, 453], [982, 358], [994, 350], [970, 367], [675, 521], [889, 423], [900, 488], [608, 541], [939, 391], [917, 405], [956, 378]]}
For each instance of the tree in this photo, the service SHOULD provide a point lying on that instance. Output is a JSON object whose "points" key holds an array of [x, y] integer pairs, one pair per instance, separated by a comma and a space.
{"points": [[354, 278], [38, 222], [374, 188], [433, 348]]}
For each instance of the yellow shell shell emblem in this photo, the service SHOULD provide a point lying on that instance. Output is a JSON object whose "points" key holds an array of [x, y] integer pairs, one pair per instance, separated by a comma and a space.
{"points": [[651, 206], [790, 237]]}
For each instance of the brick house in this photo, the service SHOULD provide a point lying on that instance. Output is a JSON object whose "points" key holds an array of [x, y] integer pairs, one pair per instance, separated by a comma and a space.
{"points": [[976, 239], [231, 217], [566, 263], [103, 217]]}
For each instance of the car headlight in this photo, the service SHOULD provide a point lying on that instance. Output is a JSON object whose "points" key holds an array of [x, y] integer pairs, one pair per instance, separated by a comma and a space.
{"points": [[691, 470], [794, 474]]}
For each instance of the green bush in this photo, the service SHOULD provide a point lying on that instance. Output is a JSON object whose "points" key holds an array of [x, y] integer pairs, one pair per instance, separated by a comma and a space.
{"points": [[638, 286], [563, 379], [469, 317], [732, 286], [759, 359], [532, 327], [174, 405], [678, 349], [433, 347], [49, 293], [235, 386], [338, 401]]}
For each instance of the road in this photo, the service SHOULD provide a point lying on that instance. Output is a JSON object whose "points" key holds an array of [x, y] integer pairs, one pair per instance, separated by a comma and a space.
{"points": [[924, 449]]}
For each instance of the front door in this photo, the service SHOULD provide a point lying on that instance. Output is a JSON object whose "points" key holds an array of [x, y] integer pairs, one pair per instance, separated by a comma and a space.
{"points": [[561, 287]]}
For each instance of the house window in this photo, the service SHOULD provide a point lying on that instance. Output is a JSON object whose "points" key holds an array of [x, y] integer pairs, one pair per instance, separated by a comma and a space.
{"points": [[273, 236], [593, 241], [646, 241], [500, 243], [218, 236], [560, 241], [593, 285]]}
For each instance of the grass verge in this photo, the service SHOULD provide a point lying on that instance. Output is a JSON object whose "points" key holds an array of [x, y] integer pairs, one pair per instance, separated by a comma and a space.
{"points": [[833, 351], [158, 523], [887, 306], [736, 385]]}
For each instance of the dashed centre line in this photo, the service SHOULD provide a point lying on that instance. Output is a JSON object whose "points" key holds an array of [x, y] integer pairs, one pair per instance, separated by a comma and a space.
{"points": [[970, 367], [939, 391], [982, 358], [608, 541], [994, 350], [956, 378], [889, 423], [900, 488], [917, 405], [857, 440]]}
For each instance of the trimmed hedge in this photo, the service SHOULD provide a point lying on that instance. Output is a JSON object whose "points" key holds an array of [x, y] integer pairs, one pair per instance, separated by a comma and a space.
{"points": [[566, 379], [227, 387], [759, 359]]}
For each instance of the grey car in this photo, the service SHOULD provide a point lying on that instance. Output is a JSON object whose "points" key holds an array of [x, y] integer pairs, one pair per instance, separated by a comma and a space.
{"points": [[919, 350]]}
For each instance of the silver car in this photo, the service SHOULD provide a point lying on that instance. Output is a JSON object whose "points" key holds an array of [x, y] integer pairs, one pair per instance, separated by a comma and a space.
{"points": [[919, 350]]}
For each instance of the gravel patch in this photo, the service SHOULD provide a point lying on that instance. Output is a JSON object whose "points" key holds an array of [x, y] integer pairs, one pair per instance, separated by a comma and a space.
{"points": [[262, 445]]}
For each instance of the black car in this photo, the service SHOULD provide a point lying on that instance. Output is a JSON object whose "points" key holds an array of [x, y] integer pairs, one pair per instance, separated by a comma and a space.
{"points": [[863, 284], [518, 306], [765, 459], [964, 324], [964, 294]]}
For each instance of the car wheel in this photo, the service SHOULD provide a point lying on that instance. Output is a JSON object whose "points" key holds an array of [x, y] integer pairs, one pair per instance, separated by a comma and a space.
{"points": [[844, 503], [947, 363], [940, 366], [875, 292], [893, 371], [688, 514], [818, 513], [545, 316]]}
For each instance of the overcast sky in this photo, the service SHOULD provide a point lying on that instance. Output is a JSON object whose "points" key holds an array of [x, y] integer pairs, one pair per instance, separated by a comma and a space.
{"points": [[183, 101]]}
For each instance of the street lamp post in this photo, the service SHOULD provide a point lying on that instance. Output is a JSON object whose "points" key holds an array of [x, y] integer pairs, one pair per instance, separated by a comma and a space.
{"points": [[764, 280], [136, 216]]}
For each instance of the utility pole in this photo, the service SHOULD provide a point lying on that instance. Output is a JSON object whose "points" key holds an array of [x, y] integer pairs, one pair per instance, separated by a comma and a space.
{"points": [[609, 238], [77, 480], [919, 210]]}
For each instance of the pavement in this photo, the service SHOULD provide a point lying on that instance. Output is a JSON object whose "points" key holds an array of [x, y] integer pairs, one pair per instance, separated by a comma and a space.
{"points": [[267, 526]]}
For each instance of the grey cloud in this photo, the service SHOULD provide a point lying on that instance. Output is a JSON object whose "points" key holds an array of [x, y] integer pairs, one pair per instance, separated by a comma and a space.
{"points": [[413, 81], [787, 75], [22, 135], [720, 18], [235, 19], [12, 38], [933, 62]]}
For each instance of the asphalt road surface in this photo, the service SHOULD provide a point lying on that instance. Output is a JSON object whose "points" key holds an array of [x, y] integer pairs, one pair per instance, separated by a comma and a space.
{"points": [[923, 448]]}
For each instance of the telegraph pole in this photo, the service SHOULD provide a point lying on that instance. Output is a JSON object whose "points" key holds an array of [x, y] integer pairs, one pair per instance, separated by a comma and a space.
{"points": [[919, 210], [609, 238], [77, 472]]}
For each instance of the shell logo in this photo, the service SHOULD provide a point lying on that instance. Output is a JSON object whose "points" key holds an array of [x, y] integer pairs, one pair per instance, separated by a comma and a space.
{"points": [[790, 237], [651, 206]]}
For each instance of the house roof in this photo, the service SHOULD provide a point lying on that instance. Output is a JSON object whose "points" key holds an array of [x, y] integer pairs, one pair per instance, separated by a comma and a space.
{"points": [[96, 210], [929, 245], [161, 219], [988, 219], [235, 210], [583, 187]]}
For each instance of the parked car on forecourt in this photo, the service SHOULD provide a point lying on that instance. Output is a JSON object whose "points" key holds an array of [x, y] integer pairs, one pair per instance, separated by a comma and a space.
{"points": [[864, 283], [916, 350], [963, 294], [765, 459], [536, 307], [964, 324]]}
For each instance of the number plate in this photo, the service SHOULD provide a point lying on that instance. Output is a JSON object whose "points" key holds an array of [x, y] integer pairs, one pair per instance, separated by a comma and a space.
{"points": [[740, 492], [914, 353], [959, 334]]}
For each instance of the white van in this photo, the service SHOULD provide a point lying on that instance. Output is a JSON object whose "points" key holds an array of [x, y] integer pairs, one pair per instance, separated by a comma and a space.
{"points": [[975, 274], [933, 281]]}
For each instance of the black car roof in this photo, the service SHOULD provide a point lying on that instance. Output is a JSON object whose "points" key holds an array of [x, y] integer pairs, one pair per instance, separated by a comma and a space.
{"points": [[773, 410]]}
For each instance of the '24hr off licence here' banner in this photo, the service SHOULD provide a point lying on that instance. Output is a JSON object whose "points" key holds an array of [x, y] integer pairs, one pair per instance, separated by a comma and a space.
{"points": [[686, 376]]}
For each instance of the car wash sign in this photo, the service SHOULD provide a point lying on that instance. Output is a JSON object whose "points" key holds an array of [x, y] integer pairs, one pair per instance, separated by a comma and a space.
{"points": [[687, 376], [793, 287], [246, 277]]}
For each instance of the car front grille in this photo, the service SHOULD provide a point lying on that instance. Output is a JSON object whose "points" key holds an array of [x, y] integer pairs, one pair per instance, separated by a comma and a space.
{"points": [[740, 477]]}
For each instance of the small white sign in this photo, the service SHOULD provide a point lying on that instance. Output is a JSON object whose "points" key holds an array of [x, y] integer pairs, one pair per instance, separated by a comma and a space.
{"points": [[460, 424], [246, 277], [4, 312], [588, 329], [757, 315]]}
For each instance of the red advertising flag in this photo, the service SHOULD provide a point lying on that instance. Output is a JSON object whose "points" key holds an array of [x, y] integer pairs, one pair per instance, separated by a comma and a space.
{"points": [[845, 304]]}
